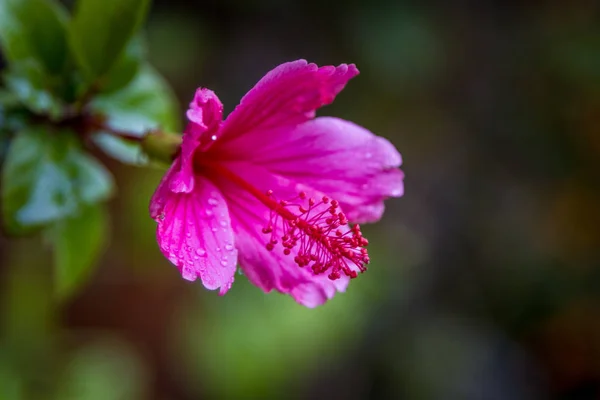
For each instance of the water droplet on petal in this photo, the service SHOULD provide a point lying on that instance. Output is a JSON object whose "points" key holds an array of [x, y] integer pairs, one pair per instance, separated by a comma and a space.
{"points": [[201, 252], [224, 263], [213, 137], [214, 229], [208, 213], [213, 202], [218, 249], [228, 247], [188, 274], [223, 223]]}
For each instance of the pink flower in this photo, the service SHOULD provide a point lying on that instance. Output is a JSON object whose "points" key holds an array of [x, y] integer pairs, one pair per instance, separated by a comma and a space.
{"points": [[267, 186]]}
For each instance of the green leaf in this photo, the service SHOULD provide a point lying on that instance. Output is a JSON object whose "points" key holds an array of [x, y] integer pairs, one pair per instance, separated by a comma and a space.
{"points": [[119, 149], [34, 29], [30, 84], [78, 241], [46, 176], [100, 30], [126, 67], [145, 104]]}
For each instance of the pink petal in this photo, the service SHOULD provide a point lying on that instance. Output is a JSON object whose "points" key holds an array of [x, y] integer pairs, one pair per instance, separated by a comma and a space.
{"points": [[287, 95], [205, 115], [271, 269], [194, 232], [330, 155]]}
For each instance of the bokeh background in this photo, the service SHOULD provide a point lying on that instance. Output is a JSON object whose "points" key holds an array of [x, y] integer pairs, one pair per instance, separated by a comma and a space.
{"points": [[485, 280]]}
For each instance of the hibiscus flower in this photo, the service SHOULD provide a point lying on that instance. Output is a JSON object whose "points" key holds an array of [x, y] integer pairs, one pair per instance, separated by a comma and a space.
{"points": [[273, 188]]}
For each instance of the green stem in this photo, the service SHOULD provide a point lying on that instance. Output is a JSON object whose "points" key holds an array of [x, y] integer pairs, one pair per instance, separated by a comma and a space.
{"points": [[161, 146]]}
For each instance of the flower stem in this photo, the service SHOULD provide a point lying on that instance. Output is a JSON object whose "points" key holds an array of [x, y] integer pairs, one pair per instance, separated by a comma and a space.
{"points": [[161, 146]]}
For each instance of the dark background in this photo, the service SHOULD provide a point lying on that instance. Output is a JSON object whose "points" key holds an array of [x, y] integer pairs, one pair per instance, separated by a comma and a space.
{"points": [[485, 279]]}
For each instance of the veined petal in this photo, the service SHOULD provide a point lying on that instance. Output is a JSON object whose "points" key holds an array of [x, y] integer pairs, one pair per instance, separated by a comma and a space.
{"points": [[330, 155], [287, 95], [272, 269], [205, 115], [194, 233]]}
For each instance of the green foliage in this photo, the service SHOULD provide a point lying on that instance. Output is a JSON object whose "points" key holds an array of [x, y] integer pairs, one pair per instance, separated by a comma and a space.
{"points": [[34, 30], [99, 31], [72, 84], [147, 103], [78, 241], [47, 177], [126, 67], [30, 84]]}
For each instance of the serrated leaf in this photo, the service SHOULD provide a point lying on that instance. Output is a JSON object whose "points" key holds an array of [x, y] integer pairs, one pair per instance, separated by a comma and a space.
{"points": [[146, 103], [46, 177], [34, 29], [100, 30], [33, 87], [78, 241]]}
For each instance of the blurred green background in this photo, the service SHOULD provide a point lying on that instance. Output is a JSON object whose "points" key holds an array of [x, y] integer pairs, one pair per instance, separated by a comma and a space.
{"points": [[485, 277]]}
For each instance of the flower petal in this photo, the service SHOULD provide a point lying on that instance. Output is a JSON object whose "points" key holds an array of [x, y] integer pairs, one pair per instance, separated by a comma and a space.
{"points": [[333, 156], [271, 269], [205, 115], [287, 95], [194, 233]]}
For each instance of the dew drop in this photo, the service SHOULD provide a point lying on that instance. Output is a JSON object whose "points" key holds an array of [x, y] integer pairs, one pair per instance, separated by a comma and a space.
{"points": [[208, 213], [212, 201], [188, 274], [228, 247], [223, 223], [218, 249], [201, 252], [224, 263], [214, 229], [213, 137]]}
